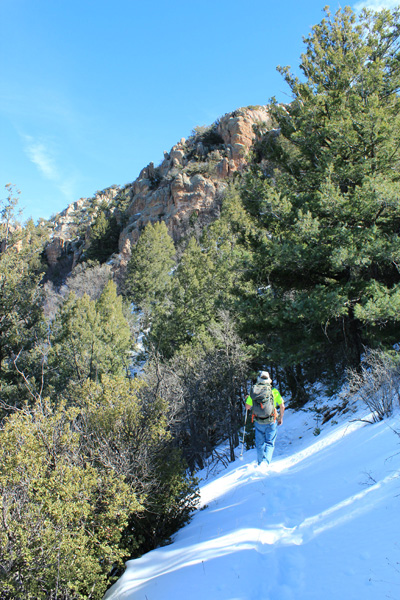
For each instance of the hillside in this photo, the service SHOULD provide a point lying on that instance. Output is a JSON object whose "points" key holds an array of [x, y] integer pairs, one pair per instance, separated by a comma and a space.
{"points": [[269, 240], [187, 185], [322, 523]]}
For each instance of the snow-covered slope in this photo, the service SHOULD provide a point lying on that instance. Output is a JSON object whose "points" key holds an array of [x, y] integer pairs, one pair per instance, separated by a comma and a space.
{"points": [[322, 524]]}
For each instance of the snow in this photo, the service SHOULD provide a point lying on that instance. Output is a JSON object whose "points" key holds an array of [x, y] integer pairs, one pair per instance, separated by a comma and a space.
{"points": [[321, 523]]}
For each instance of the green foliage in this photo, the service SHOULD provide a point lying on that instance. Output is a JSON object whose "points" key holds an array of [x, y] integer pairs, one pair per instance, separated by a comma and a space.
{"points": [[123, 426], [326, 211], [104, 237], [148, 276], [208, 134], [191, 303], [21, 269], [20, 310], [127, 427], [193, 293], [227, 244], [89, 338], [85, 486], [63, 516], [207, 279], [9, 219], [207, 168], [170, 505]]}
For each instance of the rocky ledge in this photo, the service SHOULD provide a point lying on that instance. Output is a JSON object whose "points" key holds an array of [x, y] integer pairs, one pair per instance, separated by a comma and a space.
{"points": [[189, 182]]}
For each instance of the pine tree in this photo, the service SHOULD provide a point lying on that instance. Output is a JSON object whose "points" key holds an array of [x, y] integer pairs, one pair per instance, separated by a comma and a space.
{"points": [[104, 236], [89, 338], [227, 245], [208, 278], [114, 331], [21, 295], [192, 301], [325, 198], [148, 278]]}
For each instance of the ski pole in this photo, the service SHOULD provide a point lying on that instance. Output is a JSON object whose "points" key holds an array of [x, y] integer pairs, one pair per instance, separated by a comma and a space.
{"points": [[244, 433]]}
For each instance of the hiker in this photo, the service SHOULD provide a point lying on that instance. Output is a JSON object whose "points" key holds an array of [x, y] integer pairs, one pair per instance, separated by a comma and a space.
{"points": [[263, 401]]}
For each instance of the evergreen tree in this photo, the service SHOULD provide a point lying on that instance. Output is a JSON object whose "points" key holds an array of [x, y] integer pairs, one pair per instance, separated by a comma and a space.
{"points": [[21, 294], [325, 199], [194, 291], [192, 302], [114, 331], [148, 277], [208, 278], [9, 218], [20, 310], [90, 338], [104, 237], [227, 245]]}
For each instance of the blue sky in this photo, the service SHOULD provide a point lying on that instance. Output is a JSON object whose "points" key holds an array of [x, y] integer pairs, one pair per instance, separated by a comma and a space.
{"points": [[93, 90]]}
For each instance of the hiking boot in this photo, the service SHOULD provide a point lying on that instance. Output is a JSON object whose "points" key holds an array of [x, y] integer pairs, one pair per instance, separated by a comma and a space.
{"points": [[263, 466]]}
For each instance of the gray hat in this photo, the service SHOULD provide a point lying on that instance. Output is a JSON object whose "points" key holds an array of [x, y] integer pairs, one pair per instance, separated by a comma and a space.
{"points": [[264, 376]]}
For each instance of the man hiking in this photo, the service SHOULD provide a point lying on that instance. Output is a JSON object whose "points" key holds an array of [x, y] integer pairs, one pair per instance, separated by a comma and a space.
{"points": [[263, 401]]}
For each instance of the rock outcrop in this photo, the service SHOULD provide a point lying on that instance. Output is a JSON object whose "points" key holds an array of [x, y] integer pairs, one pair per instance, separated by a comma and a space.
{"points": [[189, 183], [192, 177], [237, 131], [71, 227]]}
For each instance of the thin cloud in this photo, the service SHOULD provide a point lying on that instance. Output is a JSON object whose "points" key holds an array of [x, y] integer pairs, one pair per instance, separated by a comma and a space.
{"points": [[376, 4], [43, 157], [40, 155]]}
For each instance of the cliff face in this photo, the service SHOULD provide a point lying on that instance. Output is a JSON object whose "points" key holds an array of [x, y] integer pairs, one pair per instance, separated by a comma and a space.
{"points": [[192, 176], [71, 227], [189, 181]]}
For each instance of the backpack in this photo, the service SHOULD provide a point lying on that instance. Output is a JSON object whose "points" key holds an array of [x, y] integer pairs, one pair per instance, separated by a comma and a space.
{"points": [[263, 401]]}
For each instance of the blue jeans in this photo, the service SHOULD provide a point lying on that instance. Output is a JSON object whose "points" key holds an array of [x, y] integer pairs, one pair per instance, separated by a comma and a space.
{"points": [[265, 441]]}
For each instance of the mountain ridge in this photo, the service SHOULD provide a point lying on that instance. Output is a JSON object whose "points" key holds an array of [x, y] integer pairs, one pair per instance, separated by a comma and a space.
{"points": [[187, 185]]}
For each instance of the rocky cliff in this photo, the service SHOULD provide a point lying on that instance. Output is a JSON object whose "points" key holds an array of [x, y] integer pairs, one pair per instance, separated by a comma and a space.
{"points": [[71, 227], [189, 181]]}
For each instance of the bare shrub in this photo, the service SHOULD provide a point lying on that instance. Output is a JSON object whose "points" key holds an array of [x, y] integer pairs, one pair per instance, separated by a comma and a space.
{"points": [[203, 384], [90, 280], [377, 383], [85, 279]]}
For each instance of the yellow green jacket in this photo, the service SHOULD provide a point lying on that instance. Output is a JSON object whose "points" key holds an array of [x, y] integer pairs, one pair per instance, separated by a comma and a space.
{"points": [[276, 395]]}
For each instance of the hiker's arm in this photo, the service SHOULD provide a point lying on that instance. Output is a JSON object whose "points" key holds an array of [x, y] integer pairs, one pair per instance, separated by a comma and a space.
{"points": [[249, 403], [281, 411]]}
